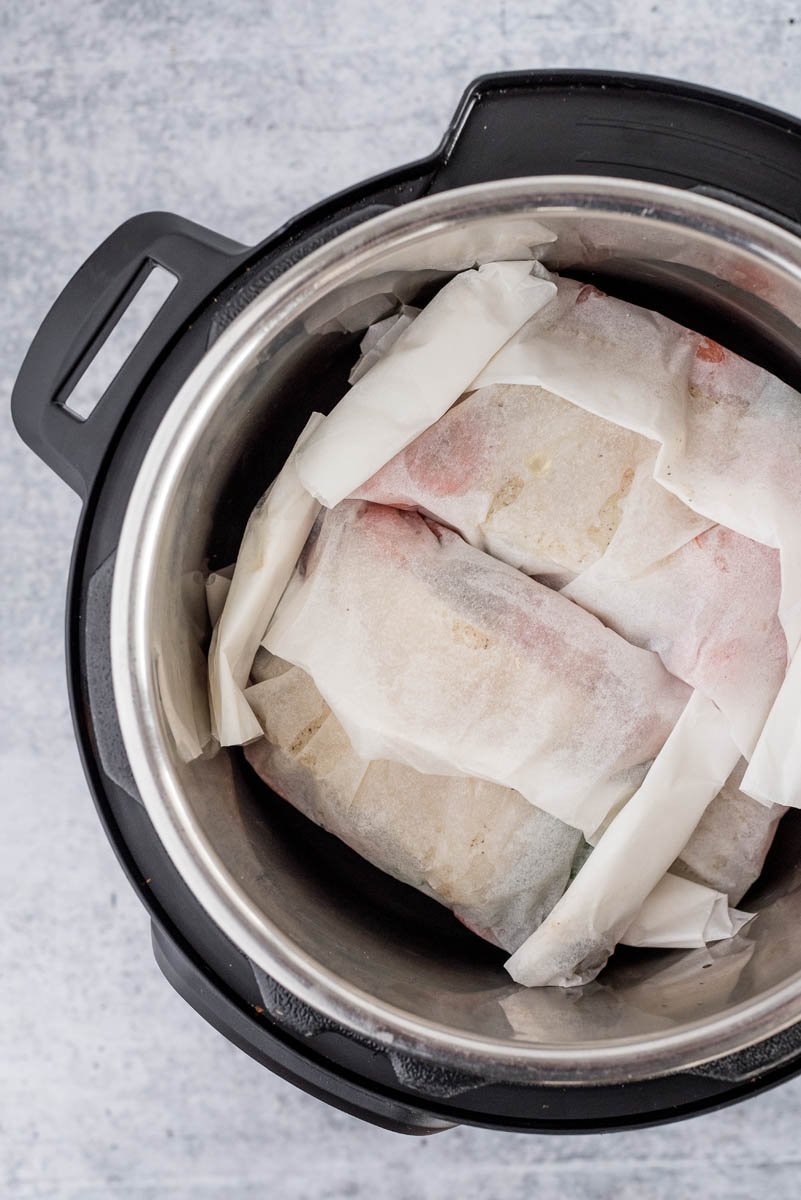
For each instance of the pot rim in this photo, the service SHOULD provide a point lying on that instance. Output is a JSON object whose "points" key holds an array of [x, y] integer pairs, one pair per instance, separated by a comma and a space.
{"points": [[334, 263]]}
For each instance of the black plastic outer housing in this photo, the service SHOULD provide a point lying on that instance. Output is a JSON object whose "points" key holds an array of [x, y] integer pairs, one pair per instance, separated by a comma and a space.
{"points": [[507, 125]]}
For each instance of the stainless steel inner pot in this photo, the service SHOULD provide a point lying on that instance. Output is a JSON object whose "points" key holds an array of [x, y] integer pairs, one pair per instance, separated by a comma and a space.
{"points": [[374, 955]]}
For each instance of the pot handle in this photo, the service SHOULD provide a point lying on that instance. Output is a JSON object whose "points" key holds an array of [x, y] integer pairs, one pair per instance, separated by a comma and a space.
{"points": [[255, 1033], [81, 320]]}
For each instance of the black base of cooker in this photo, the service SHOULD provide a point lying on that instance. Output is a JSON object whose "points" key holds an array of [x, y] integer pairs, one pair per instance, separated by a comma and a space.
{"points": [[527, 123]]}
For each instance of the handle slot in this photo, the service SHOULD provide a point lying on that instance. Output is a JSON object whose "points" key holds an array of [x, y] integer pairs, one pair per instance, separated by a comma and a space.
{"points": [[96, 370]]}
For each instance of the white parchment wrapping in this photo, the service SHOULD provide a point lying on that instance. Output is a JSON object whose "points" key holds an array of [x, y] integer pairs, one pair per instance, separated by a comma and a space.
{"points": [[503, 239], [728, 848], [774, 772], [274, 537], [421, 376], [710, 610], [380, 338], [574, 942], [425, 263], [729, 434], [539, 483], [681, 915], [478, 848], [433, 654], [217, 585]]}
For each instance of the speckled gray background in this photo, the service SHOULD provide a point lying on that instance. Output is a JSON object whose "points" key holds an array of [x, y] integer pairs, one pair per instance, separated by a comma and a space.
{"points": [[237, 115]]}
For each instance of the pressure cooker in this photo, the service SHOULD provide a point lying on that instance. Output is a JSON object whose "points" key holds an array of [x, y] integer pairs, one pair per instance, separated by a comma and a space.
{"points": [[341, 980]]}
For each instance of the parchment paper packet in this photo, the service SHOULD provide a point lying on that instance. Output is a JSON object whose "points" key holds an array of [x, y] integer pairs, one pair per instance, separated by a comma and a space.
{"points": [[729, 437], [537, 482], [480, 849], [502, 468], [454, 663]]}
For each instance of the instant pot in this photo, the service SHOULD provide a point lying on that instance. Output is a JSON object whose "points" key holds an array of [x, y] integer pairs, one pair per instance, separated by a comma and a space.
{"points": [[357, 989]]}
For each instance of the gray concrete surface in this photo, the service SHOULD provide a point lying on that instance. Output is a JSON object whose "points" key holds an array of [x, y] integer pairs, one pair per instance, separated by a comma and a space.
{"points": [[237, 115]]}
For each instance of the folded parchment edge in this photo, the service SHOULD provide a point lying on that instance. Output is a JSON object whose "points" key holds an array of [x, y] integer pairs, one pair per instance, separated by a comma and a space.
{"points": [[274, 536], [634, 852]]}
